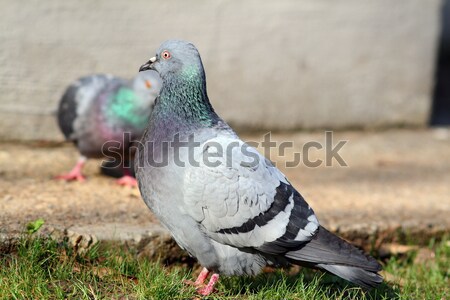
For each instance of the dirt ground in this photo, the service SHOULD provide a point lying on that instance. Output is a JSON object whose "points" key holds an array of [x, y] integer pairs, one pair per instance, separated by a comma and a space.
{"points": [[395, 178]]}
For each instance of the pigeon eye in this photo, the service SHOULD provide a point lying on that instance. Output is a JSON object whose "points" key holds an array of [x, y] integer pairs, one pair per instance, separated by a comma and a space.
{"points": [[165, 54]]}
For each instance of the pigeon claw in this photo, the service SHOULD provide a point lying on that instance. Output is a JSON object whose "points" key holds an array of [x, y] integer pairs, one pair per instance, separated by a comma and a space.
{"points": [[127, 180], [75, 173], [71, 176], [188, 282], [201, 288], [209, 288], [201, 277]]}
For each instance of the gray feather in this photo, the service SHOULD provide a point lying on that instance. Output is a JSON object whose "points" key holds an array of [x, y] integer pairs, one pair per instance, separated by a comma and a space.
{"points": [[238, 215], [327, 251]]}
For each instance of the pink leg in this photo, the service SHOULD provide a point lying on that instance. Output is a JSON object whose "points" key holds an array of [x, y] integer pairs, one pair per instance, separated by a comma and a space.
{"points": [[127, 179], [75, 173], [201, 277], [209, 288]]}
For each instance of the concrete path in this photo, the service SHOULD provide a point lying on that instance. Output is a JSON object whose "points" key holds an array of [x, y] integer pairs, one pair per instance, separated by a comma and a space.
{"points": [[397, 182]]}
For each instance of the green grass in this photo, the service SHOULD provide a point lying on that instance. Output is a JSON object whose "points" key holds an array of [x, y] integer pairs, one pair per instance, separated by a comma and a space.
{"points": [[44, 269]]}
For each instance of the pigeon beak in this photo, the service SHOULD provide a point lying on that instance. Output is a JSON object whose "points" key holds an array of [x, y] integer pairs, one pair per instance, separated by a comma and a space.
{"points": [[147, 65]]}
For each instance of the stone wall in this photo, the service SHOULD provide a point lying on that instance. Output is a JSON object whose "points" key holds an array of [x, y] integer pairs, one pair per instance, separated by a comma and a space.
{"points": [[284, 64]]}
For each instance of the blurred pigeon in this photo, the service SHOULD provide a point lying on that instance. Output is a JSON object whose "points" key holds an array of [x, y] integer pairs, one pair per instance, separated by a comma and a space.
{"points": [[103, 114], [227, 206]]}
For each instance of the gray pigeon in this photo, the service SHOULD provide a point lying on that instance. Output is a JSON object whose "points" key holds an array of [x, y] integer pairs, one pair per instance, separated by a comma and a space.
{"points": [[96, 111], [223, 202]]}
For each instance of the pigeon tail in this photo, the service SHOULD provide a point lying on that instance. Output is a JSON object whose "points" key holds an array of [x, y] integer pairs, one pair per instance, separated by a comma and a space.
{"points": [[357, 275], [329, 252]]}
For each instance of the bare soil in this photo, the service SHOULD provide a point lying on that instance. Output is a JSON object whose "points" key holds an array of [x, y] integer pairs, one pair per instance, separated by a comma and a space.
{"points": [[394, 179]]}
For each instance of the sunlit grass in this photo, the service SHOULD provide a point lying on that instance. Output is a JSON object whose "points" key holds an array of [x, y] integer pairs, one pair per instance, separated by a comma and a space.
{"points": [[44, 269]]}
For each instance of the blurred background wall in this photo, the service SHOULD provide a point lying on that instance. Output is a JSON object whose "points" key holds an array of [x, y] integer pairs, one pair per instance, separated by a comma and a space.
{"points": [[269, 64]]}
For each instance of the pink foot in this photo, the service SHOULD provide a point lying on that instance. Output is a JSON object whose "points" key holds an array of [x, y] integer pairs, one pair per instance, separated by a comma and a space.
{"points": [[201, 277], [202, 289], [75, 173], [71, 176], [209, 288], [127, 180]]}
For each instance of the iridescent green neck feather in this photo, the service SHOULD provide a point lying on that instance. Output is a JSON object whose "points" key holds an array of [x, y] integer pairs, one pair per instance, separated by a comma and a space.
{"points": [[125, 107], [184, 100]]}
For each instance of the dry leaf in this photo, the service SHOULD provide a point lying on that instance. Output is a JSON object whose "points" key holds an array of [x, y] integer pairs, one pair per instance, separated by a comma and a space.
{"points": [[395, 249], [102, 271], [392, 278], [76, 269], [424, 255]]}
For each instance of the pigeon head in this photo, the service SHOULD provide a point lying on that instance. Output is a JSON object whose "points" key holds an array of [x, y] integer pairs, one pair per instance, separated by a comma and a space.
{"points": [[147, 84], [176, 58], [130, 103], [183, 94]]}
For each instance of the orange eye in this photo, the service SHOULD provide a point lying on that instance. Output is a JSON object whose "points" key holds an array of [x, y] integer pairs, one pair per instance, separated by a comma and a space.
{"points": [[165, 54], [148, 84]]}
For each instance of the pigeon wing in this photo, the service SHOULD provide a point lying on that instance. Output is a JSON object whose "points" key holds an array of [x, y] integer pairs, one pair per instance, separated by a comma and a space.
{"points": [[242, 200]]}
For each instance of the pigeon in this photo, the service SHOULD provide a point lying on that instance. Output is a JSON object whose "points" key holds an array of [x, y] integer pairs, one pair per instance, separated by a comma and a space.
{"points": [[222, 201], [102, 115]]}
